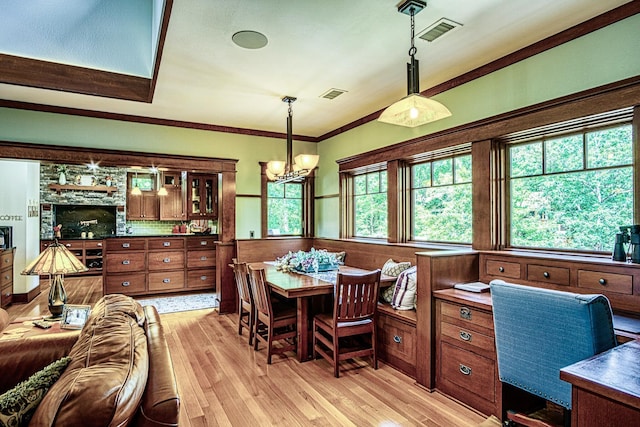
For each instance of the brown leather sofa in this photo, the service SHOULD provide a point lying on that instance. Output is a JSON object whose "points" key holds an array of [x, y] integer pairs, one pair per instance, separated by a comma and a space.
{"points": [[120, 372]]}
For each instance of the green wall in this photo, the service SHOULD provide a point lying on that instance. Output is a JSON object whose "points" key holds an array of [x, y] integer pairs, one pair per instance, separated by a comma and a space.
{"points": [[602, 57]]}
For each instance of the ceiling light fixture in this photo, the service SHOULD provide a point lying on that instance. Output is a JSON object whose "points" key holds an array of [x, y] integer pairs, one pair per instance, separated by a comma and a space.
{"points": [[135, 191], [414, 109], [288, 171]]}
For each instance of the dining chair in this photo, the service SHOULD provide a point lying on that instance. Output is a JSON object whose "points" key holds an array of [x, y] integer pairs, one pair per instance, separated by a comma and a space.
{"points": [[335, 335], [273, 322], [246, 311], [539, 331]]}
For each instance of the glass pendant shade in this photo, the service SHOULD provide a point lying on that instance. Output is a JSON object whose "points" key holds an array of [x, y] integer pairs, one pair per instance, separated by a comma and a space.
{"points": [[307, 161], [414, 110], [163, 192], [276, 167], [135, 191], [55, 261]]}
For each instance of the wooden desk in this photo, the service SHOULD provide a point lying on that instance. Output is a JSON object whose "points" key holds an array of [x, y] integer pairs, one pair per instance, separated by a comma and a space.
{"points": [[606, 387], [302, 288]]}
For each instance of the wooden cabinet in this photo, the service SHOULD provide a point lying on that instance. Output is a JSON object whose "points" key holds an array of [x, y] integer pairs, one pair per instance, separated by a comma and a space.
{"points": [[89, 251], [202, 195], [6, 276], [466, 363], [125, 266], [173, 204], [144, 206], [201, 263], [397, 338]]}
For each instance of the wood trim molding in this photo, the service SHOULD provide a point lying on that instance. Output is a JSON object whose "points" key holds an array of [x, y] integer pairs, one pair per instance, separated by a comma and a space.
{"points": [[607, 18], [327, 196], [249, 196], [25, 298]]}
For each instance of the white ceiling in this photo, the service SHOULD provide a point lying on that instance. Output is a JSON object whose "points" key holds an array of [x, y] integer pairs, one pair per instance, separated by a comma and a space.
{"points": [[313, 46]]}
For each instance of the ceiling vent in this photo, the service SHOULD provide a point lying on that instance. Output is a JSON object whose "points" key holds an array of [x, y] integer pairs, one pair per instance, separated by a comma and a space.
{"points": [[438, 29], [332, 93]]}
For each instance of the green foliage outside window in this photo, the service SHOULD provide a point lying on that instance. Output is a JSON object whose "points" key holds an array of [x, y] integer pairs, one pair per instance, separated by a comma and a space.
{"points": [[370, 205], [441, 196], [571, 192], [284, 209]]}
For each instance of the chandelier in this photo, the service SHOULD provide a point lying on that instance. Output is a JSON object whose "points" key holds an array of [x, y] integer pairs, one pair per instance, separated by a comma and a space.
{"points": [[291, 171], [414, 109]]}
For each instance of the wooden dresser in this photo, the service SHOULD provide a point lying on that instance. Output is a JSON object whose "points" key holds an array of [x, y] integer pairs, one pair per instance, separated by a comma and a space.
{"points": [[397, 337], [6, 276]]}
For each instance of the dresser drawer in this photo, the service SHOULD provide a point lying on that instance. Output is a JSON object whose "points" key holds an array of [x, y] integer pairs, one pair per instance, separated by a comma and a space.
{"points": [[166, 243], [503, 269], [125, 283], [600, 282], [170, 260], [7, 295], [201, 278], [124, 244], [206, 258], [166, 281], [6, 277], [546, 274], [464, 315], [467, 338], [93, 244], [397, 342], [469, 371], [121, 261], [6, 259], [201, 242]]}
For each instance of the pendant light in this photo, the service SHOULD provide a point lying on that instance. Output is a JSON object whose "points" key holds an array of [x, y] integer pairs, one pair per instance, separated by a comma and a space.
{"points": [[289, 171], [414, 109], [135, 191]]}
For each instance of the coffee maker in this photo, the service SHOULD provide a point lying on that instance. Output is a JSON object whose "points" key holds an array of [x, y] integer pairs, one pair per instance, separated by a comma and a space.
{"points": [[628, 234]]}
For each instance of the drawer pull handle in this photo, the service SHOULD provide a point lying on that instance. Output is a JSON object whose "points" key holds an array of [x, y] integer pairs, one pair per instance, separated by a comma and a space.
{"points": [[166, 260], [465, 313], [397, 339], [125, 284], [203, 243], [203, 258], [465, 336], [165, 244], [6, 277], [602, 281], [126, 245], [465, 370], [546, 274], [99, 245], [68, 245], [203, 277], [501, 269], [166, 280], [126, 262]]}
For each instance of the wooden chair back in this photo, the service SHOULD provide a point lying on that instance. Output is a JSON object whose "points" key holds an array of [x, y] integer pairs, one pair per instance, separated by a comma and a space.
{"points": [[261, 295], [242, 280], [356, 297]]}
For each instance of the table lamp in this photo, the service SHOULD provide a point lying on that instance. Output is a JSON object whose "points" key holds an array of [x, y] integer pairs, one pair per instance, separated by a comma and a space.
{"points": [[56, 261]]}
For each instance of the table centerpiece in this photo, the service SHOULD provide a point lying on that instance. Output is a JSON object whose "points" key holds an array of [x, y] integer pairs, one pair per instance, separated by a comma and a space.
{"points": [[308, 262]]}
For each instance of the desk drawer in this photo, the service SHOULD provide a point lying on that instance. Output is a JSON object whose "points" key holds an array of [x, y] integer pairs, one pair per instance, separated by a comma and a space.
{"points": [[166, 243], [166, 281], [206, 258], [166, 260], [467, 338], [546, 274], [611, 282], [468, 316], [468, 371], [125, 283], [121, 262], [201, 279], [397, 343], [503, 269]]}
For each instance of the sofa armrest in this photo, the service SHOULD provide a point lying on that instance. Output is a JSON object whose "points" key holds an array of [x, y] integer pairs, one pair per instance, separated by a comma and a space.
{"points": [[22, 357], [160, 405]]}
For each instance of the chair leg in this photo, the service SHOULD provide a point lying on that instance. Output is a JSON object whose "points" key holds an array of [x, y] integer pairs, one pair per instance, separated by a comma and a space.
{"points": [[269, 344], [240, 318], [336, 352], [251, 322], [375, 350]]}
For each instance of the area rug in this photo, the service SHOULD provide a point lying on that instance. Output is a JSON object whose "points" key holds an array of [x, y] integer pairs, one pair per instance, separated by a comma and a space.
{"points": [[176, 303]]}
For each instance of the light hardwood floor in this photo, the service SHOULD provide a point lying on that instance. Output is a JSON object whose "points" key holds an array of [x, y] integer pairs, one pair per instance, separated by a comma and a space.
{"points": [[223, 382]]}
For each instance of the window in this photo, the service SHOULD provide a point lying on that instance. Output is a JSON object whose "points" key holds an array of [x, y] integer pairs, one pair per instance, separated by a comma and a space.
{"points": [[441, 200], [284, 209], [571, 191], [370, 205]]}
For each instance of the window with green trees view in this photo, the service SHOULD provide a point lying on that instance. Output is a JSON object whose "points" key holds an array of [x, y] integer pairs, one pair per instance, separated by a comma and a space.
{"points": [[284, 209], [370, 204], [571, 191], [441, 200]]}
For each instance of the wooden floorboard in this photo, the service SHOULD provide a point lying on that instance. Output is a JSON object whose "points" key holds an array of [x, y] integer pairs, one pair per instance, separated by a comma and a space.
{"points": [[224, 382]]}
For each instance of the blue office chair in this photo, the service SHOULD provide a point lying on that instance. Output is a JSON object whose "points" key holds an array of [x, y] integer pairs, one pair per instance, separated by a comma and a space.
{"points": [[539, 331]]}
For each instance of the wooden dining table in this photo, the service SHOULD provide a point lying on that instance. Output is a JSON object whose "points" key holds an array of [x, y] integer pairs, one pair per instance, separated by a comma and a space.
{"points": [[303, 288]]}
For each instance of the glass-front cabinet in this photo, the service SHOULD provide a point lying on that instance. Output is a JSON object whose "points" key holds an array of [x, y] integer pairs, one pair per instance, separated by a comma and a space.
{"points": [[203, 196]]}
